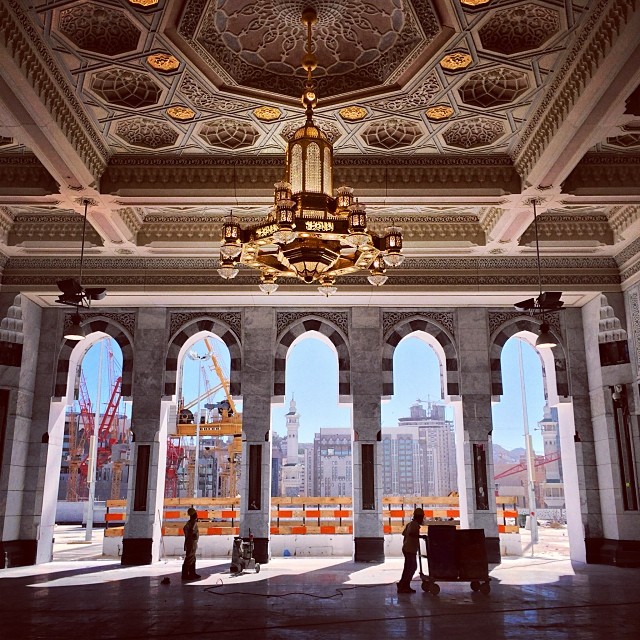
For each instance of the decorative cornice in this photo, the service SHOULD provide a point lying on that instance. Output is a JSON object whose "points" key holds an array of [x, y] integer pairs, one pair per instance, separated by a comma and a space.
{"points": [[25, 173], [631, 251], [580, 227], [489, 218], [222, 173], [24, 45], [602, 172], [598, 34], [50, 228], [620, 218], [132, 218], [6, 222], [285, 319]]}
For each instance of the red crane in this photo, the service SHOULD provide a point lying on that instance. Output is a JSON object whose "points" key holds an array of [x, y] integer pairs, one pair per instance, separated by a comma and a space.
{"points": [[522, 466]]}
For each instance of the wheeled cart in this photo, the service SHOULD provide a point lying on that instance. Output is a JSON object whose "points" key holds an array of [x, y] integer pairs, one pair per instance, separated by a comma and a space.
{"points": [[242, 555], [455, 555]]}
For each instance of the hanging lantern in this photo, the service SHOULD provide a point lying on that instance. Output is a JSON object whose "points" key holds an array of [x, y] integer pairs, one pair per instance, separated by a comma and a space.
{"points": [[231, 246], [377, 269], [358, 236], [228, 269], [285, 220], [393, 246], [268, 283], [344, 199], [327, 288]]}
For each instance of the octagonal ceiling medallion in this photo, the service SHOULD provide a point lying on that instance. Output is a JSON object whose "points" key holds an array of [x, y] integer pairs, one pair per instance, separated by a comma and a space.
{"points": [[353, 113], [94, 27], [439, 112], [394, 133], [456, 60], [267, 114], [473, 133], [493, 87], [520, 28], [228, 133], [144, 3], [625, 141], [180, 112], [361, 46], [146, 133], [163, 62], [125, 88]]}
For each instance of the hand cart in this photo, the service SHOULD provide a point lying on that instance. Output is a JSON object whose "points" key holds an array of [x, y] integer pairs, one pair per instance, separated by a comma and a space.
{"points": [[455, 555], [242, 555]]}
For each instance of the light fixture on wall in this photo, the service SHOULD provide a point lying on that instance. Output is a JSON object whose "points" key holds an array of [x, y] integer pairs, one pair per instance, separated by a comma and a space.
{"points": [[546, 302], [75, 295], [309, 234]]}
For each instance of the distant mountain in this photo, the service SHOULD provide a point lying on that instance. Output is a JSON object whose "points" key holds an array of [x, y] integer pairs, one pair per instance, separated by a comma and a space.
{"points": [[504, 456]]}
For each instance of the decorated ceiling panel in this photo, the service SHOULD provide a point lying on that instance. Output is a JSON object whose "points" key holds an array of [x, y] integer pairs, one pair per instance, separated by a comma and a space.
{"points": [[438, 111]]}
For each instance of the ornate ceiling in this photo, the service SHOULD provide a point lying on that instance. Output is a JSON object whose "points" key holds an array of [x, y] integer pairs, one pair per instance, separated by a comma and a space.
{"points": [[446, 116]]}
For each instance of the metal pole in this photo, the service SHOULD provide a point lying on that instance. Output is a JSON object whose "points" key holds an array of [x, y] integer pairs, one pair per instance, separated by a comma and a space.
{"points": [[533, 522], [93, 455], [196, 470]]}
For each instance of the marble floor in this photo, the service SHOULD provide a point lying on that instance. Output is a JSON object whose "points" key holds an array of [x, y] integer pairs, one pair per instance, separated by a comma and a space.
{"points": [[539, 596]]}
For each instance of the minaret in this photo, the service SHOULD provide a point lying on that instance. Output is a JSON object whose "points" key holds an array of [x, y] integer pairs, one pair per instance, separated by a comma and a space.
{"points": [[293, 424]]}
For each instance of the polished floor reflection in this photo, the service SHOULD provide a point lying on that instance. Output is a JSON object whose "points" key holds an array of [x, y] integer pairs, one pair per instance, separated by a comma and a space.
{"points": [[533, 597]]}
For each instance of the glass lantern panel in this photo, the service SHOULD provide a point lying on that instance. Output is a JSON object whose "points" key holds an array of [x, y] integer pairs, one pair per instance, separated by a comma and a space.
{"points": [[295, 170], [313, 176]]}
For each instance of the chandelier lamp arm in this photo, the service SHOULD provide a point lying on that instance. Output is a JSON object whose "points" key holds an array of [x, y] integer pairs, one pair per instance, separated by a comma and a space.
{"points": [[310, 234]]}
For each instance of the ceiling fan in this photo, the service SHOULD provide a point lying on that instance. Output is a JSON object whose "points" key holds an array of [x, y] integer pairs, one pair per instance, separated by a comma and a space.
{"points": [[547, 301], [72, 292]]}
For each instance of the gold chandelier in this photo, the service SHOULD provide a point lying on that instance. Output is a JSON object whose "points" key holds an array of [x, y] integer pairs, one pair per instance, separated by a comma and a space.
{"points": [[310, 234]]}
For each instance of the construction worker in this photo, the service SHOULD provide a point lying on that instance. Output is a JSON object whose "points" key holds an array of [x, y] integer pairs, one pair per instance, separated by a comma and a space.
{"points": [[410, 547], [191, 535]]}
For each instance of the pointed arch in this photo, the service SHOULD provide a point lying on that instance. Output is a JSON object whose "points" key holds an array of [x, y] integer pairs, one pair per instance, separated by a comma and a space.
{"points": [[190, 329], [326, 329], [509, 329], [112, 328], [432, 328]]}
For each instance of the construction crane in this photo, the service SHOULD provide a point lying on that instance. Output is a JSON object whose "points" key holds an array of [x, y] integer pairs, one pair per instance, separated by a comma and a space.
{"points": [[222, 420], [522, 466]]}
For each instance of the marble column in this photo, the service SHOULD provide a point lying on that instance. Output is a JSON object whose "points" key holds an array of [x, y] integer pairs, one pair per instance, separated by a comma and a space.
{"points": [[475, 390], [365, 341], [145, 496], [26, 393], [613, 422], [258, 338]]}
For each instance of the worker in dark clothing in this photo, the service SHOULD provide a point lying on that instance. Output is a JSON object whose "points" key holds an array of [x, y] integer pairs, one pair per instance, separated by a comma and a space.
{"points": [[410, 547], [191, 535]]}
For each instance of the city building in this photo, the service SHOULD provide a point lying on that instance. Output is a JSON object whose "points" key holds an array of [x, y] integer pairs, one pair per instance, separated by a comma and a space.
{"points": [[292, 469], [332, 462], [420, 453]]}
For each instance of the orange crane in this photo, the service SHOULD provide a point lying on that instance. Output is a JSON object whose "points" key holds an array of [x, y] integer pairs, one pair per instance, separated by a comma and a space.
{"points": [[77, 455], [227, 422]]}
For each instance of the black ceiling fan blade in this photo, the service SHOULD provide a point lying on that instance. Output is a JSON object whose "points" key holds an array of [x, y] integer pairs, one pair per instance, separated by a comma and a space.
{"points": [[70, 286], [95, 293], [525, 305], [550, 300]]}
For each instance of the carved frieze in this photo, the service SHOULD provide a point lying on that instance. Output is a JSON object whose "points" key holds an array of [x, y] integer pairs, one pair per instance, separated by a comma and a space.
{"points": [[570, 227], [631, 251], [635, 322], [285, 319], [126, 320], [233, 319], [605, 173], [445, 318], [498, 318], [622, 217]]}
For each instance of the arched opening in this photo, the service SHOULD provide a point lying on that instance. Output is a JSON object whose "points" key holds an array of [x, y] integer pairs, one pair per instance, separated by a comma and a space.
{"points": [[418, 439], [95, 420], [311, 434], [527, 455], [205, 434]]}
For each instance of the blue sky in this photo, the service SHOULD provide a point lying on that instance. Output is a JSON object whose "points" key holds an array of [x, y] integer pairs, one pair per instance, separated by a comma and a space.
{"points": [[312, 375]]}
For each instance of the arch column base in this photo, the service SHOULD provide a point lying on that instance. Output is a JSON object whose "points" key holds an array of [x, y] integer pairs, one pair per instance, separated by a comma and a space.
{"points": [[18, 553], [137, 551], [368, 549]]}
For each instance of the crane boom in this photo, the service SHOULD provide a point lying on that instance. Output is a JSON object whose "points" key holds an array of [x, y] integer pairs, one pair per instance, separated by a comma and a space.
{"points": [[223, 380]]}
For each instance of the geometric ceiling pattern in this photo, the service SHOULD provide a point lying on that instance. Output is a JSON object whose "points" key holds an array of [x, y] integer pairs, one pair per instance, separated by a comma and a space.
{"points": [[446, 116]]}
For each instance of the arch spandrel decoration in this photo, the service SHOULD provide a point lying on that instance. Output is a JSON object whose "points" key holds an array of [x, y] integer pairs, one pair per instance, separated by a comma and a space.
{"points": [[215, 326], [503, 329], [408, 325], [120, 327], [300, 326]]}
